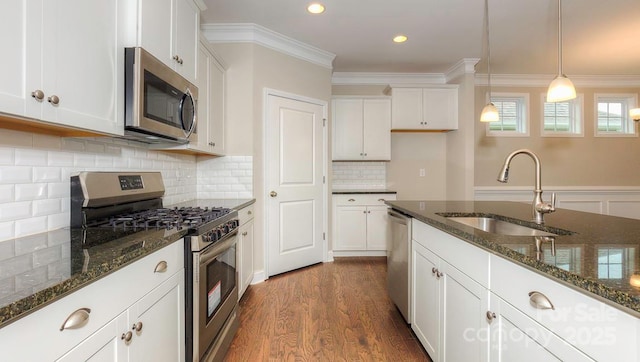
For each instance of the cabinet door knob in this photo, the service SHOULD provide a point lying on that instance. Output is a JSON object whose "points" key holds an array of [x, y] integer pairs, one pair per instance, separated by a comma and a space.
{"points": [[540, 301], [126, 337], [249, 212], [176, 57], [161, 267], [137, 327], [273, 194], [54, 100], [77, 319], [244, 233], [38, 94], [490, 316]]}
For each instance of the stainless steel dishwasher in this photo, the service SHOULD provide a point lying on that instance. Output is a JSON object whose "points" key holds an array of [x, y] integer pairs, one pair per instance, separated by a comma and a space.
{"points": [[399, 263]]}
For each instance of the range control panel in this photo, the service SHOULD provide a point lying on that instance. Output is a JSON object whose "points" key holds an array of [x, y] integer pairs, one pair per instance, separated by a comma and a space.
{"points": [[131, 182]]}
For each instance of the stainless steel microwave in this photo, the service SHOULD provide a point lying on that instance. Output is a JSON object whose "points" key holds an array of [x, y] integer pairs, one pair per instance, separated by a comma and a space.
{"points": [[160, 105]]}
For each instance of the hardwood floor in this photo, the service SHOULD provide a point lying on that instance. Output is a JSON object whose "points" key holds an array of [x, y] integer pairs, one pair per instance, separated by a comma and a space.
{"points": [[336, 311]]}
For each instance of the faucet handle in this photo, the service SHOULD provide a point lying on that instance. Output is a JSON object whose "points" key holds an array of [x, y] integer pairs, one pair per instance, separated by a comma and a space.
{"points": [[553, 202]]}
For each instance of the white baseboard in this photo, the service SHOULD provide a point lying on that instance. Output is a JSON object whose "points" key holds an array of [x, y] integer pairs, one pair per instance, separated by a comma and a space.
{"points": [[258, 277], [606, 200], [342, 253]]}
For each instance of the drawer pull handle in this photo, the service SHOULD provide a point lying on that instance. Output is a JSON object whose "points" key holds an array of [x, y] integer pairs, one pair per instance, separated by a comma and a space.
{"points": [[351, 200], [540, 301], [76, 319], [381, 200], [161, 267]]}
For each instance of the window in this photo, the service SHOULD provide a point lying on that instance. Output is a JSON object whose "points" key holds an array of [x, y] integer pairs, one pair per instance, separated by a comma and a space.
{"points": [[612, 115], [562, 119], [513, 109]]}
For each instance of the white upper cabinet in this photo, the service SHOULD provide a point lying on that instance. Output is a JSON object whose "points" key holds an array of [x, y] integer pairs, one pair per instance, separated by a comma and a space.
{"points": [[424, 108], [361, 129], [64, 69], [169, 30]]}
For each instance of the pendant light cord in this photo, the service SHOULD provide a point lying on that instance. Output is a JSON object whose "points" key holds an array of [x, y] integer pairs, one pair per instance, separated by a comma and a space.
{"points": [[559, 37], [486, 25]]}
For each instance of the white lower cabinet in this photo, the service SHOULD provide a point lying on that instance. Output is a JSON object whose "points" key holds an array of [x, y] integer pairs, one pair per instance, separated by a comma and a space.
{"points": [[137, 333], [133, 314], [245, 249], [516, 337], [360, 222], [523, 316], [448, 309]]}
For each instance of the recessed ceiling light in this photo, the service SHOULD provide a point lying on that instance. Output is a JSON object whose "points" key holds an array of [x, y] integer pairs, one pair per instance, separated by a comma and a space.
{"points": [[315, 8], [400, 38]]}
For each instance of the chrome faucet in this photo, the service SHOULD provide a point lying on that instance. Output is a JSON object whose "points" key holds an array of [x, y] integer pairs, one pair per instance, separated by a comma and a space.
{"points": [[539, 207]]}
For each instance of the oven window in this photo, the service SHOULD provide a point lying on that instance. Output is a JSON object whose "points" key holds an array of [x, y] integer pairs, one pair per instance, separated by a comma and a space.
{"points": [[162, 101], [221, 279]]}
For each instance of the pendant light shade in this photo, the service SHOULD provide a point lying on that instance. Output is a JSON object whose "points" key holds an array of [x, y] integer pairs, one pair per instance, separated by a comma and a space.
{"points": [[561, 88], [489, 112], [634, 113]]}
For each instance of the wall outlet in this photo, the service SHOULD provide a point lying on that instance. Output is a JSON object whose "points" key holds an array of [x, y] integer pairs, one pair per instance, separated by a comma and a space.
{"points": [[422, 172]]}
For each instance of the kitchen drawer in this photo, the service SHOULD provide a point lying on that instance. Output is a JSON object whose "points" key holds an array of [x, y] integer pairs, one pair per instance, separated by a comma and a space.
{"points": [[245, 214], [106, 298], [601, 331], [362, 199], [469, 259]]}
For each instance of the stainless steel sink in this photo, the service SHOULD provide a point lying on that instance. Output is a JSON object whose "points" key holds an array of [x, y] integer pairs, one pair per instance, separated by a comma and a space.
{"points": [[497, 226]]}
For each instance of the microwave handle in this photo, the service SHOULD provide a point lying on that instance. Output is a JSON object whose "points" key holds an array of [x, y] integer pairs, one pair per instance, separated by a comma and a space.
{"points": [[195, 117]]}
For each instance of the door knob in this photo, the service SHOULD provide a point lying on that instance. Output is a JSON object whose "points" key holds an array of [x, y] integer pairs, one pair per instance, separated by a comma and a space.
{"points": [[273, 194]]}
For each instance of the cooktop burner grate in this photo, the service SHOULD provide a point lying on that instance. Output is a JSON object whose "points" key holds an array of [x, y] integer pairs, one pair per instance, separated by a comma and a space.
{"points": [[164, 218]]}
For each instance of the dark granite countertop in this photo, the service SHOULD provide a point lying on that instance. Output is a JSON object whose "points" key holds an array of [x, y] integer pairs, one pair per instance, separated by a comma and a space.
{"points": [[39, 269], [361, 191], [600, 257]]}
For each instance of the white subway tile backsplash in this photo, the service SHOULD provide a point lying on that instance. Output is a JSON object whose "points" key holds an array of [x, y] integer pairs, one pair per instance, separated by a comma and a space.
{"points": [[16, 174], [31, 191], [7, 156], [15, 211], [33, 225], [46, 174], [46, 207], [7, 193], [15, 138], [35, 171], [7, 230], [30, 157], [61, 159], [359, 175]]}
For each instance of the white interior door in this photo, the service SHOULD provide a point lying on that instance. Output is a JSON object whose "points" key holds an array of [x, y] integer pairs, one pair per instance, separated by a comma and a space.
{"points": [[294, 183]]}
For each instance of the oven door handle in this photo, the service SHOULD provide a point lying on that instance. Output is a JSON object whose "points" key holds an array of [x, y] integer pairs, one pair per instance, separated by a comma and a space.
{"points": [[216, 249]]}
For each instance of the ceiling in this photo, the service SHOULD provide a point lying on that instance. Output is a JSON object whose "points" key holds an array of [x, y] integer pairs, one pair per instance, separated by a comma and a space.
{"points": [[599, 37]]}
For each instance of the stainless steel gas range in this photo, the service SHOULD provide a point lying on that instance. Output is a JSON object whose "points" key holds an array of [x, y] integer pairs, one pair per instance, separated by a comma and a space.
{"points": [[105, 206]]}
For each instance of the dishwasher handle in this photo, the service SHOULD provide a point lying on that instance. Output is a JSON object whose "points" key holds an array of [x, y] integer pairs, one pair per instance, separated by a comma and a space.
{"points": [[397, 217]]}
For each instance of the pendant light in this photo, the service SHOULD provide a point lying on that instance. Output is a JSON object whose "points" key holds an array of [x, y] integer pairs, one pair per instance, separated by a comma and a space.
{"points": [[489, 112], [634, 113], [561, 88]]}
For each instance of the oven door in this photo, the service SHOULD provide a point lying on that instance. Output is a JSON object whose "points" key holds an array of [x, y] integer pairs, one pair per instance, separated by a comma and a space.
{"points": [[215, 292]]}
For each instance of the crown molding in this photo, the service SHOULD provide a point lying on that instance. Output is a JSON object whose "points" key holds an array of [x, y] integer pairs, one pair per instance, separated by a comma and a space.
{"points": [[543, 80], [462, 67], [253, 33], [373, 78]]}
